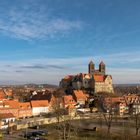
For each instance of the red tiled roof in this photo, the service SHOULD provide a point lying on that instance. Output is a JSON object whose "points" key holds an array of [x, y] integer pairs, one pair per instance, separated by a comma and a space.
{"points": [[79, 94], [1, 104], [68, 77], [131, 98], [11, 103], [8, 92], [24, 105], [98, 78], [68, 99], [5, 92], [6, 115], [2, 94], [39, 103], [114, 99]]}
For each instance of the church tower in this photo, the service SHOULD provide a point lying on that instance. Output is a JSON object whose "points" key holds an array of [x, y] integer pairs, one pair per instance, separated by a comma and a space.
{"points": [[91, 68], [102, 68]]}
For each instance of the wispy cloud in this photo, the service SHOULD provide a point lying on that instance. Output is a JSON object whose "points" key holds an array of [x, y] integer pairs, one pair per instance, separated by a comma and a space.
{"points": [[38, 66], [125, 59], [51, 70], [125, 75], [19, 71], [32, 22]]}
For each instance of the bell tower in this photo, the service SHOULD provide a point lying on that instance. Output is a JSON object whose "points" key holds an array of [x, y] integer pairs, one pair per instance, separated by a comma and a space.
{"points": [[102, 68], [91, 68]]}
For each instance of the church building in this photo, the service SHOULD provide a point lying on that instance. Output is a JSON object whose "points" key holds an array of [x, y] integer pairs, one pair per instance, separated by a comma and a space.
{"points": [[96, 80]]}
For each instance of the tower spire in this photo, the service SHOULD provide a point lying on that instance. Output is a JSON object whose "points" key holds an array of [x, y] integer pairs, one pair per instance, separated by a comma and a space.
{"points": [[102, 67], [91, 67]]}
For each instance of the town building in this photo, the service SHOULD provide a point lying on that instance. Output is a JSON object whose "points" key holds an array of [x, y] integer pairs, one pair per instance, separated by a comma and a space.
{"points": [[68, 101], [44, 95], [133, 103], [126, 104], [9, 106], [79, 97], [25, 110], [6, 94], [6, 120], [39, 107]]}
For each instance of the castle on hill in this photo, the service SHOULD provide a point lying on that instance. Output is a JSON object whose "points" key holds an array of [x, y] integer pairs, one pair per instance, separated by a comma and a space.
{"points": [[96, 80]]}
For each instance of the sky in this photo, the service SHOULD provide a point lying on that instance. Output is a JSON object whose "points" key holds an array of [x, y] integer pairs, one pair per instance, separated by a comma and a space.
{"points": [[41, 41]]}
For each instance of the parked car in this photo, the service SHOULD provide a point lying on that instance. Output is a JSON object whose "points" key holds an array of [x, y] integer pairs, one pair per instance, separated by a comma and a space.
{"points": [[35, 133], [38, 138], [35, 138], [28, 135], [41, 132]]}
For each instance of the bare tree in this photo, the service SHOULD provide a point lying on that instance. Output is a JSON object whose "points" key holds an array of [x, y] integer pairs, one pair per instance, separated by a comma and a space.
{"points": [[135, 115], [107, 110], [108, 119], [137, 122], [64, 126], [58, 109], [67, 128]]}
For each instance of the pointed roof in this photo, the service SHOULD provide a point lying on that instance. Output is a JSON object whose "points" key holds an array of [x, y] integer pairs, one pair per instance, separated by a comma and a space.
{"points": [[99, 78], [91, 63], [2, 94], [39, 103], [24, 105], [42, 96], [79, 94], [102, 63], [6, 115], [11, 103], [68, 99]]}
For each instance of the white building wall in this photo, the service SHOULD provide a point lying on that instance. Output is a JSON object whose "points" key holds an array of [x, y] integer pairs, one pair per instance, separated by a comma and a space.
{"points": [[38, 110], [4, 122]]}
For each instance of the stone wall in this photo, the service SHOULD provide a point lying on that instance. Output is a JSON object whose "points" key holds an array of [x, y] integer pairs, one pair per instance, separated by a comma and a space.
{"points": [[105, 86]]}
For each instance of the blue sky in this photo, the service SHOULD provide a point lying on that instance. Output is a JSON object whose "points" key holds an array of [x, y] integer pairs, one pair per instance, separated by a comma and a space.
{"points": [[43, 40]]}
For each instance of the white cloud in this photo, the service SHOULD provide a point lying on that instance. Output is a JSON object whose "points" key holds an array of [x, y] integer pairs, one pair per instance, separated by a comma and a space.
{"points": [[127, 59], [51, 70], [28, 23], [37, 71], [125, 75]]}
